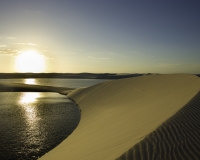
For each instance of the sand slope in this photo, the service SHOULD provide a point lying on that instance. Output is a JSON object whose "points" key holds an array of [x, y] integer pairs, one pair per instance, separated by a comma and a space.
{"points": [[176, 139], [118, 114]]}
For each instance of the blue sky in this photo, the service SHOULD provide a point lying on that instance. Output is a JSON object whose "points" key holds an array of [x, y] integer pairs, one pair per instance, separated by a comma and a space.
{"points": [[116, 36]]}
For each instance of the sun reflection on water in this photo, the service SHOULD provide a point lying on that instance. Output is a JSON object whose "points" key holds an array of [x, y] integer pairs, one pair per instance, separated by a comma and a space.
{"points": [[29, 81], [29, 103], [31, 116], [29, 97]]}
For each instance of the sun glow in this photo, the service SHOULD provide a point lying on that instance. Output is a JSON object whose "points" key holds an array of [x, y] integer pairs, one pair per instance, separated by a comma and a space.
{"points": [[30, 61]]}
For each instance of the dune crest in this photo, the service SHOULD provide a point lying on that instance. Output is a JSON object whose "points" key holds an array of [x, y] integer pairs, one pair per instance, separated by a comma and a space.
{"points": [[118, 114]]}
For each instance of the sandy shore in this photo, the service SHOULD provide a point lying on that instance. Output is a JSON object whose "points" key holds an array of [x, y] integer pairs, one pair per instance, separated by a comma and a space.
{"points": [[118, 116]]}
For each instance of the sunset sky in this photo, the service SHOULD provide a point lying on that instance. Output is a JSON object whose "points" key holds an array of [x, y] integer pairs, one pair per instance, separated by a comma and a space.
{"points": [[116, 36]]}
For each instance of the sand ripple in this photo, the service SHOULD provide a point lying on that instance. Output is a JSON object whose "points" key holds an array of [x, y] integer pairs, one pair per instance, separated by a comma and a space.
{"points": [[177, 138]]}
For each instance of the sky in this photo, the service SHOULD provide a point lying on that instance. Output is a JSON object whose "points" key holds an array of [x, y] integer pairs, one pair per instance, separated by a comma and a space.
{"points": [[102, 36]]}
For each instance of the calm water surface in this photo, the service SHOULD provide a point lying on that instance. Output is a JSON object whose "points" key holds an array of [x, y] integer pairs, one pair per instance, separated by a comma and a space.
{"points": [[32, 123]]}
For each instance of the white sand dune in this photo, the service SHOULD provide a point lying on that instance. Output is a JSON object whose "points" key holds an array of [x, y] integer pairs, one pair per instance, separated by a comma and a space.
{"points": [[118, 114], [178, 138]]}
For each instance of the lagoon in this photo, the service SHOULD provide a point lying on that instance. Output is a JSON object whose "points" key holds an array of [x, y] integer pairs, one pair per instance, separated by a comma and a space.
{"points": [[32, 123]]}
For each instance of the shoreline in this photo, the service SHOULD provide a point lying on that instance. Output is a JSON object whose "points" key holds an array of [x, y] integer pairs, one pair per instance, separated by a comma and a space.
{"points": [[20, 87]]}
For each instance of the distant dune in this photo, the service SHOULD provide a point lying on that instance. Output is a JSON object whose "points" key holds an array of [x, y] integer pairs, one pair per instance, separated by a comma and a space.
{"points": [[148, 117]]}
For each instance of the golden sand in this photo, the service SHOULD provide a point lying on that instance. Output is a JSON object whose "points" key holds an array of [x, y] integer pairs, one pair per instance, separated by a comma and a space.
{"points": [[118, 114]]}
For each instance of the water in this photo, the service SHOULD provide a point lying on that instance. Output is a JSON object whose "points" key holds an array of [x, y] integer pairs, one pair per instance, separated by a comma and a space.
{"points": [[71, 83], [31, 124]]}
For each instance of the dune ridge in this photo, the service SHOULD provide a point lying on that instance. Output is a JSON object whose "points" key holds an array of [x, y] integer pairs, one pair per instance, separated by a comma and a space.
{"points": [[118, 114], [177, 138]]}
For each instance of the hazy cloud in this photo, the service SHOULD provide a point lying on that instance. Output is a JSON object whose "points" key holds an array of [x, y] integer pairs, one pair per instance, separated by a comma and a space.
{"points": [[98, 58], [47, 57], [27, 44], [10, 52], [12, 38], [45, 53], [2, 45], [8, 37]]}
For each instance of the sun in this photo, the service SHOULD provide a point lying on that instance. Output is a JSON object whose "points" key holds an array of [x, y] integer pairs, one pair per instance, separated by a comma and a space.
{"points": [[30, 61]]}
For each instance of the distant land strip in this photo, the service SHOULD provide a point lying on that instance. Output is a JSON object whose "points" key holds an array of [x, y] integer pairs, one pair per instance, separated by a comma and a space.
{"points": [[177, 138], [74, 75], [67, 75]]}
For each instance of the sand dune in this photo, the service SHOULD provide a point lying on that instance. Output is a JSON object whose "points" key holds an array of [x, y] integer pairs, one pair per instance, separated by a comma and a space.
{"points": [[176, 139], [116, 115]]}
